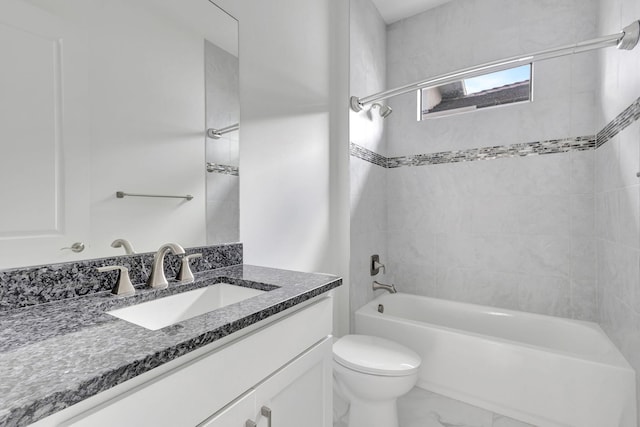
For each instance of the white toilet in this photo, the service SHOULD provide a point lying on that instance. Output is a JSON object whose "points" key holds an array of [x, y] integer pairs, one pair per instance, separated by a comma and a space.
{"points": [[371, 373]]}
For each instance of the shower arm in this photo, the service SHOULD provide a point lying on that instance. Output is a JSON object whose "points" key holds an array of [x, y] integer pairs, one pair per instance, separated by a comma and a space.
{"points": [[627, 40]]}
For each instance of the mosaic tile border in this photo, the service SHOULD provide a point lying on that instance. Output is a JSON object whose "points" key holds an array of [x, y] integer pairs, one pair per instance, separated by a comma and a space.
{"points": [[223, 169], [367, 155], [617, 125], [552, 146], [581, 143]]}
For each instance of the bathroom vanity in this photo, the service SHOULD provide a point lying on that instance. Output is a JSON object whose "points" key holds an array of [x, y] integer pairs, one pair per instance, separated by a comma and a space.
{"points": [[70, 363]]}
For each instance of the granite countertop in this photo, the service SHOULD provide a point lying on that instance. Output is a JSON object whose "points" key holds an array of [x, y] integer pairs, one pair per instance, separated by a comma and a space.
{"points": [[56, 354]]}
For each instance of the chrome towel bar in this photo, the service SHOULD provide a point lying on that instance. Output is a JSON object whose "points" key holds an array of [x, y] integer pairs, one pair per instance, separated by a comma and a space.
{"points": [[217, 133], [122, 195]]}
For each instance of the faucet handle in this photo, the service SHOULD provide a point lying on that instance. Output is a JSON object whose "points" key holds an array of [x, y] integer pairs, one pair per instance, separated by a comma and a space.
{"points": [[376, 265], [123, 286], [185, 275]]}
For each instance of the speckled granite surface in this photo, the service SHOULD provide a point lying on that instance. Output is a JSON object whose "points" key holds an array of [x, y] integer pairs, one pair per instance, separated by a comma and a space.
{"points": [[56, 354], [26, 286]]}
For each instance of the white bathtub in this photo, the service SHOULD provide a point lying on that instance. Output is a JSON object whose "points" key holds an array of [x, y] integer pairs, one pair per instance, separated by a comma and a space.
{"points": [[543, 370]]}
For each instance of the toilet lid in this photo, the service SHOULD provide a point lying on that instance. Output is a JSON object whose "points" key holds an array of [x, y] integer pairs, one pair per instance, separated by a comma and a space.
{"points": [[374, 355]]}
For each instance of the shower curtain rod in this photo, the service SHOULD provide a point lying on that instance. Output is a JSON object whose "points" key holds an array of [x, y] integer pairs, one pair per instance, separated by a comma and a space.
{"points": [[627, 39]]}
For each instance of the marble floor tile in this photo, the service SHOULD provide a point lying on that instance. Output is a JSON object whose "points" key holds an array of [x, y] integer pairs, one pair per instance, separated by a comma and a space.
{"points": [[340, 411], [502, 421], [422, 408]]}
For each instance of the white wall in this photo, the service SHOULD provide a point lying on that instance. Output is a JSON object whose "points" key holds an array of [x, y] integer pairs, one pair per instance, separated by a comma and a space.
{"points": [[617, 189], [294, 148], [366, 129], [517, 232]]}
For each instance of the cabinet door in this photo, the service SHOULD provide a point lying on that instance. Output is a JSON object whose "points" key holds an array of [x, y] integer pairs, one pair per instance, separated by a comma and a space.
{"points": [[299, 394], [235, 414], [44, 167]]}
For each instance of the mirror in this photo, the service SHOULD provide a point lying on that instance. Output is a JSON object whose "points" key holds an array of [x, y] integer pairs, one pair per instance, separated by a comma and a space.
{"points": [[106, 96], [223, 116]]}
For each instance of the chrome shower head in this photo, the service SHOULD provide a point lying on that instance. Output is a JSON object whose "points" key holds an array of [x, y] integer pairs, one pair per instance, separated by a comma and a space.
{"points": [[385, 110]]}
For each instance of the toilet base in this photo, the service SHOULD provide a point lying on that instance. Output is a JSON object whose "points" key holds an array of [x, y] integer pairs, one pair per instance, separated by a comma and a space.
{"points": [[374, 374], [373, 414]]}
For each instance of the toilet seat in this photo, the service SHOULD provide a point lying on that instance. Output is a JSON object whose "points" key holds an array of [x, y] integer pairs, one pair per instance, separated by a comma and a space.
{"points": [[375, 355]]}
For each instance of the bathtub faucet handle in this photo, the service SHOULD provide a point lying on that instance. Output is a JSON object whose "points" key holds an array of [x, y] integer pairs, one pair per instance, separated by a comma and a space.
{"points": [[389, 288], [376, 265]]}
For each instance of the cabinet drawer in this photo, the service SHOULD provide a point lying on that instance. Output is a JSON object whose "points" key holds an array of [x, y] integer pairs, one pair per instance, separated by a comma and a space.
{"points": [[190, 393], [235, 414], [298, 394]]}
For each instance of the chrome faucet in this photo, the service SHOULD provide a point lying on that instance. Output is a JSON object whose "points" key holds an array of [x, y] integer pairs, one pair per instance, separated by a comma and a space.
{"points": [[389, 288], [157, 279], [124, 243]]}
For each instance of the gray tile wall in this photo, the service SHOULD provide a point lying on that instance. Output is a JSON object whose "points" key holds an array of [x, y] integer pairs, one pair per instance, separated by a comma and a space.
{"points": [[559, 214], [617, 189], [368, 181], [557, 234], [515, 232], [465, 33], [518, 232]]}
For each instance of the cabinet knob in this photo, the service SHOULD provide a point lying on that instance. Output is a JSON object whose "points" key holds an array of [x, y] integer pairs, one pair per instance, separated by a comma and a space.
{"points": [[265, 411]]}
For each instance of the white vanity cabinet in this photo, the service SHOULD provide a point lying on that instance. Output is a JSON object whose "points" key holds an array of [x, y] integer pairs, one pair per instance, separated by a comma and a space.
{"points": [[284, 366], [299, 395], [237, 413], [296, 395]]}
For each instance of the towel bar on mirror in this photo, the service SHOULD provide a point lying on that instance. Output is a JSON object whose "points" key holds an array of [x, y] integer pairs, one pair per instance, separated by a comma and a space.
{"points": [[217, 133], [122, 195]]}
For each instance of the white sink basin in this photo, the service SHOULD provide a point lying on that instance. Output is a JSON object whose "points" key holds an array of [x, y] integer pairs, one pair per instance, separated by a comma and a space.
{"points": [[166, 311]]}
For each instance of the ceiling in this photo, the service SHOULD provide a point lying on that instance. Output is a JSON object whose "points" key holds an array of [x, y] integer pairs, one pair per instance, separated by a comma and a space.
{"points": [[394, 10]]}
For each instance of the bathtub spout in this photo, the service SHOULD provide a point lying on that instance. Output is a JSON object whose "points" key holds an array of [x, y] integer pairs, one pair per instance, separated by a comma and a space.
{"points": [[389, 288]]}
